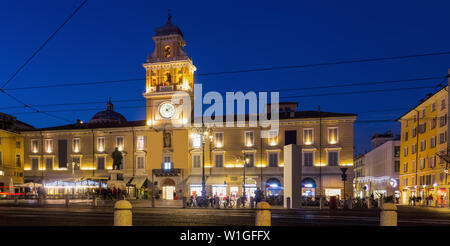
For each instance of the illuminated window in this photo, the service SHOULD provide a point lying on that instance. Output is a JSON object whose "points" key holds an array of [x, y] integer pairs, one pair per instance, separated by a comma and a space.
{"points": [[34, 145], [308, 158], [218, 139], [167, 166], [249, 138], [196, 160], [48, 145], [218, 160], [333, 158], [140, 142], [332, 135], [273, 138], [196, 140], [140, 162], [413, 148], [273, 159], [101, 144], [308, 137], [249, 159], [422, 163], [120, 142], [76, 145]]}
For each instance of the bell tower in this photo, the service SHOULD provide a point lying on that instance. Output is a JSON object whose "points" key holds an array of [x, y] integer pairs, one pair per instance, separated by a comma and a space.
{"points": [[168, 70]]}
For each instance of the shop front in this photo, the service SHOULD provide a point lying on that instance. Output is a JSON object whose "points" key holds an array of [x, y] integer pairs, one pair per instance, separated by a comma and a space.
{"points": [[273, 187], [80, 189], [168, 189], [309, 188]]}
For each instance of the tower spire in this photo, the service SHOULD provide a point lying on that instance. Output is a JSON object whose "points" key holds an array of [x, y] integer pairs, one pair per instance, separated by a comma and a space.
{"points": [[169, 17]]}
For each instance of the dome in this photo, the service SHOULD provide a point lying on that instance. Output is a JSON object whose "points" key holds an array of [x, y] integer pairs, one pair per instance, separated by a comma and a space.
{"points": [[168, 29], [108, 115]]}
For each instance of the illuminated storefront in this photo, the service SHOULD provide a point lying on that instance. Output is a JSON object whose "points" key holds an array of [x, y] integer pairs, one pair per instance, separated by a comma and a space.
{"points": [[273, 187], [308, 188]]}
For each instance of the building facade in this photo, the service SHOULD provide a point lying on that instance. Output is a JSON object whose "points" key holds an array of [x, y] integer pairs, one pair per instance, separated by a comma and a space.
{"points": [[167, 155], [380, 174], [424, 146]]}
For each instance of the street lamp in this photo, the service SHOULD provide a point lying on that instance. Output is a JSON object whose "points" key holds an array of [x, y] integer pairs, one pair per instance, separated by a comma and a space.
{"points": [[73, 176], [246, 160], [344, 178], [203, 132]]}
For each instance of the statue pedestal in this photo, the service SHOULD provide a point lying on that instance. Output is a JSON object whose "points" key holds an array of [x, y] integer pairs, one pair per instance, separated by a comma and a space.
{"points": [[116, 179]]}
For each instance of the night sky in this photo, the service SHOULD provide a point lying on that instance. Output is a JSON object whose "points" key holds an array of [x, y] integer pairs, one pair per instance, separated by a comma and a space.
{"points": [[109, 40]]}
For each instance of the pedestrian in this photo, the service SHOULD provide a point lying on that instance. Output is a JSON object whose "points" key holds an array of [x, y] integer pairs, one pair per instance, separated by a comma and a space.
{"points": [[115, 193]]}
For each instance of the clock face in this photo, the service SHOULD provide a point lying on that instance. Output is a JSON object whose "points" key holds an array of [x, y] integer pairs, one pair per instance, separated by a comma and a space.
{"points": [[166, 110]]}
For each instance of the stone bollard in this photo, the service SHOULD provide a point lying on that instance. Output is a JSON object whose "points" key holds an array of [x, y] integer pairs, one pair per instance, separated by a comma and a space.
{"points": [[122, 213], [184, 202], [288, 202], [388, 215], [67, 201], [263, 215], [153, 202], [369, 203]]}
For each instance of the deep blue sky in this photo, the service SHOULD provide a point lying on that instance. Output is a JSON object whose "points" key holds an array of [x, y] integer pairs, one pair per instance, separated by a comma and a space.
{"points": [[109, 40]]}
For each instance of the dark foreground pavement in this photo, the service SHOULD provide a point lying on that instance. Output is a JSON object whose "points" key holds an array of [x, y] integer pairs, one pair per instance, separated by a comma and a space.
{"points": [[85, 216]]}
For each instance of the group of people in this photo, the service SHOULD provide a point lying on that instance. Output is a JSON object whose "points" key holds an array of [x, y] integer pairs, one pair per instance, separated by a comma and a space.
{"points": [[428, 200], [227, 202], [112, 194]]}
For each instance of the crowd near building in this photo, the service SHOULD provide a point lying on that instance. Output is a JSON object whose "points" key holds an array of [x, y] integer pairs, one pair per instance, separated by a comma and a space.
{"points": [[170, 162]]}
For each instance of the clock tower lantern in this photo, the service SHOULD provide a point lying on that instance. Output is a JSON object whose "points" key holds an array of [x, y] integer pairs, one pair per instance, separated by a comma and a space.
{"points": [[169, 71]]}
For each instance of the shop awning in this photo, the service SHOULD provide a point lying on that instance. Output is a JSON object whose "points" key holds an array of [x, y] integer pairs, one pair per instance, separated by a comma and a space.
{"points": [[127, 180], [138, 182], [219, 180], [194, 180]]}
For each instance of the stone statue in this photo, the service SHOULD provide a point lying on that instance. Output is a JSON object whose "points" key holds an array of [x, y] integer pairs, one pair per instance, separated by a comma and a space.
{"points": [[117, 159], [167, 139]]}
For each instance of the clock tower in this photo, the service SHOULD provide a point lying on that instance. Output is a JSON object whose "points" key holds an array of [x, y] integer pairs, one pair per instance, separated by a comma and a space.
{"points": [[169, 71]]}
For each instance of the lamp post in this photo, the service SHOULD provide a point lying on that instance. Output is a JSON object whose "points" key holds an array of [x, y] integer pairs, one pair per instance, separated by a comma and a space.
{"points": [[203, 132], [344, 178], [73, 177], [245, 164]]}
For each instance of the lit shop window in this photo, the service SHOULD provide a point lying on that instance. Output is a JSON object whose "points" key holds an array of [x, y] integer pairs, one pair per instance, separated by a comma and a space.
{"points": [[218, 139], [308, 136], [101, 144], [120, 142], [249, 138], [76, 145], [34, 145], [48, 145], [332, 135]]}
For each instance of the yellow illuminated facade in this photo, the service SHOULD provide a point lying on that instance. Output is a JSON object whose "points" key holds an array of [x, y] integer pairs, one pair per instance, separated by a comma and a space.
{"points": [[172, 157], [11, 159], [424, 140]]}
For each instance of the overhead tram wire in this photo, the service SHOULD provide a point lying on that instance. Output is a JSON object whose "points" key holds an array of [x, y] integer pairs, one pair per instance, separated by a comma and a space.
{"points": [[43, 44], [324, 94], [31, 58], [288, 89], [327, 63]]}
